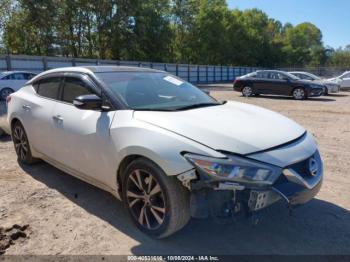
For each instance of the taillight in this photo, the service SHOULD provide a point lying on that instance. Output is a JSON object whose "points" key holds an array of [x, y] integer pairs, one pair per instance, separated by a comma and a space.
{"points": [[8, 99]]}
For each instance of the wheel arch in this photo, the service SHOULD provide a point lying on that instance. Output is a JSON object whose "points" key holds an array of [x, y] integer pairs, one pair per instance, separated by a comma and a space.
{"points": [[13, 122], [124, 163]]}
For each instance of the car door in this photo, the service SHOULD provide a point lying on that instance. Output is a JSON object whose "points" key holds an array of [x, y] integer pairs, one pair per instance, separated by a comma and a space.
{"points": [[278, 84], [83, 137], [37, 110], [261, 83]]}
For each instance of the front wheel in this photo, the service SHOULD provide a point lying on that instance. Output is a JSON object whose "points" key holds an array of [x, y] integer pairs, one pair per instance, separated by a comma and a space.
{"points": [[158, 204], [247, 91], [299, 93]]}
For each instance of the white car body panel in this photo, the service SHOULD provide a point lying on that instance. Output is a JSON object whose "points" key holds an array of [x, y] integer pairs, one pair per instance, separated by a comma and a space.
{"points": [[343, 80], [91, 144], [228, 127]]}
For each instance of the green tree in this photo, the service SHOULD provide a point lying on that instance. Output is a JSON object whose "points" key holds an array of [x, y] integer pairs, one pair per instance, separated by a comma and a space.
{"points": [[303, 45]]}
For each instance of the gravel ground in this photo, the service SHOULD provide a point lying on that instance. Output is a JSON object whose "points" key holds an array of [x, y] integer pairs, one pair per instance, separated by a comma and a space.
{"points": [[63, 215]]}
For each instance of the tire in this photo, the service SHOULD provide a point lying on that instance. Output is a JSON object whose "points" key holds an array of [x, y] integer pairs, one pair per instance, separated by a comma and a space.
{"points": [[21, 144], [5, 92], [170, 198], [247, 91], [299, 93]]}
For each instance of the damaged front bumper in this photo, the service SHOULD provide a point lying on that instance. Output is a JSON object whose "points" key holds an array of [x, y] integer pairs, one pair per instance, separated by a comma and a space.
{"points": [[297, 184]]}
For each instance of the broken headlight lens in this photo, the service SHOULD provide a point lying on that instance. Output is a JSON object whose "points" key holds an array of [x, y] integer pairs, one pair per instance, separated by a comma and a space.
{"points": [[236, 169]]}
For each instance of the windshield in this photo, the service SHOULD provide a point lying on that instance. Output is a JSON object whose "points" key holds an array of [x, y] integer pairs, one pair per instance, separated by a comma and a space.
{"points": [[155, 91], [314, 76]]}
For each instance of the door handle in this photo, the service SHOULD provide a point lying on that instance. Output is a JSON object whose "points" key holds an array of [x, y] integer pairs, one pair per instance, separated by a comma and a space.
{"points": [[58, 118], [26, 107]]}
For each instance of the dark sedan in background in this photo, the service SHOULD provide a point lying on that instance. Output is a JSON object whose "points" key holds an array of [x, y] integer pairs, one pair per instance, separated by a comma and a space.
{"points": [[277, 83]]}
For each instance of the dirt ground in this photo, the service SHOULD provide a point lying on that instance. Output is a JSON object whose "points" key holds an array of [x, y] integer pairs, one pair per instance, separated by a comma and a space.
{"points": [[68, 216]]}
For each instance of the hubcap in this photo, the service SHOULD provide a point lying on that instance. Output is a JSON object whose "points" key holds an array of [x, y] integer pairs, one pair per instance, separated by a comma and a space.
{"points": [[20, 141], [247, 91], [299, 94], [145, 199]]}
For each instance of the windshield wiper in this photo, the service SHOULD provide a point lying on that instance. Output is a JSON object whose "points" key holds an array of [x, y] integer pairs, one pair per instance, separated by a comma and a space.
{"points": [[197, 106]]}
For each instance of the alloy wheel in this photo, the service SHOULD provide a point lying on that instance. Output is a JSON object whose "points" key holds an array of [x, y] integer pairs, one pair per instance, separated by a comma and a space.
{"points": [[247, 91], [145, 199], [299, 94], [21, 142]]}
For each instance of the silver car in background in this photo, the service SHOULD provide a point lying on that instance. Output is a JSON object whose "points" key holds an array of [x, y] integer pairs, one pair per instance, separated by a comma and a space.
{"points": [[165, 148], [343, 81], [331, 87], [11, 81]]}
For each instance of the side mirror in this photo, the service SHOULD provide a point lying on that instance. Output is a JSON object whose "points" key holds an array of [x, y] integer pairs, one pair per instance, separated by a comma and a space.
{"points": [[88, 102]]}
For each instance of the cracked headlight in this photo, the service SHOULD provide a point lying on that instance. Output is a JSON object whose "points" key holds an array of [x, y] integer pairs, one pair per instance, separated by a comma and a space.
{"points": [[237, 169]]}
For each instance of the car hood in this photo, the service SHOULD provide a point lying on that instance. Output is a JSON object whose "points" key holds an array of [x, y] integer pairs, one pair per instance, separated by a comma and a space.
{"points": [[233, 127]]}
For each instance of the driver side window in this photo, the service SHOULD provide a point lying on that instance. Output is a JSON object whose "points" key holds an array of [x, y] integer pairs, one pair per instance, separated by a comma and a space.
{"points": [[74, 87]]}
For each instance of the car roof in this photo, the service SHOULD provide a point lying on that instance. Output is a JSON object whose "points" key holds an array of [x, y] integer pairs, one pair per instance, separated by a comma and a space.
{"points": [[271, 71], [94, 69], [302, 72]]}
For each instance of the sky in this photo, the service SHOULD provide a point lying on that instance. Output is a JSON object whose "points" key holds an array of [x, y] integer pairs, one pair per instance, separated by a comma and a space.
{"points": [[332, 17]]}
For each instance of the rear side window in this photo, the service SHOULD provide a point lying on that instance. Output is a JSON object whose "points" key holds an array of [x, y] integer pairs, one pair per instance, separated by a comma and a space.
{"points": [[263, 75], [74, 87], [49, 87]]}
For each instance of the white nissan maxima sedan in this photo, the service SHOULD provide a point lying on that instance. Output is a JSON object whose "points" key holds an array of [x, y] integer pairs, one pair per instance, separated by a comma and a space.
{"points": [[165, 148]]}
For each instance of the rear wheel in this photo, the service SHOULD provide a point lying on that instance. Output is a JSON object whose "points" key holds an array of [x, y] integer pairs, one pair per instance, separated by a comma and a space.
{"points": [[247, 91], [21, 143], [157, 204], [5, 92], [299, 93]]}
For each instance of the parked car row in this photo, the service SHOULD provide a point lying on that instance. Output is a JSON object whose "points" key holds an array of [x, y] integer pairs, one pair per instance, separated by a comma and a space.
{"points": [[299, 85]]}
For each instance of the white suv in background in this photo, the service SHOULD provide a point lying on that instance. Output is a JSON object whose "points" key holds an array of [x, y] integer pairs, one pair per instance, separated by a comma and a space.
{"points": [[11, 81], [343, 80]]}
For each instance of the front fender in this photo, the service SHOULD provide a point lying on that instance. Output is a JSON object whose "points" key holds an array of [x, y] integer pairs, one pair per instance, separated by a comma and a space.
{"points": [[162, 146]]}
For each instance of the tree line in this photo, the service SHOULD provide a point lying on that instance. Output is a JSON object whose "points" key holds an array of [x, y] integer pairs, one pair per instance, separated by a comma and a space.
{"points": [[177, 31]]}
